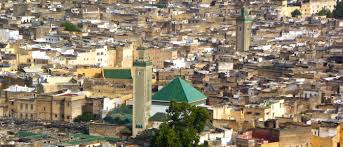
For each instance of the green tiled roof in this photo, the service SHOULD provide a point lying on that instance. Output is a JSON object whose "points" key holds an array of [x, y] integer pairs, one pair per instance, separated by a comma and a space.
{"points": [[180, 91], [30, 135], [80, 139], [142, 63], [159, 116], [117, 73], [142, 48]]}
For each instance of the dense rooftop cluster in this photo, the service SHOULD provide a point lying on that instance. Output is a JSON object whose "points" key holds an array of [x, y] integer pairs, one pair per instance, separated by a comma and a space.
{"points": [[268, 72]]}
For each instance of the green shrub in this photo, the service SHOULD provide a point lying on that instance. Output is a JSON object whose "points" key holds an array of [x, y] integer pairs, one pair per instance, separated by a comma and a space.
{"points": [[68, 26], [296, 13], [120, 116], [85, 117]]}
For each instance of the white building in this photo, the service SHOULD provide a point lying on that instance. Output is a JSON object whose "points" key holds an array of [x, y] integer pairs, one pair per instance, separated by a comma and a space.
{"points": [[7, 35], [222, 135], [277, 108], [109, 104], [17, 88], [52, 39], [27, 19], [224, 67], [101, 57], [40, 55]]}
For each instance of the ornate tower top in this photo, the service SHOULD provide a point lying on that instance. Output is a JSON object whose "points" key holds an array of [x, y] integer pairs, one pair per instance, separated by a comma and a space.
{"points": [[244, 12], [244, 15], [142, 59]]}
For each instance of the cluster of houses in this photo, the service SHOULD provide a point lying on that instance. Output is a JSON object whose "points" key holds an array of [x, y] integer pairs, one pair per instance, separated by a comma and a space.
{"points": [[267, 78]]}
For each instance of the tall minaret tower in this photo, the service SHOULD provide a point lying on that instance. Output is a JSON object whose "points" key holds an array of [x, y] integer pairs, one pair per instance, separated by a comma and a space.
{"points": [[142, 75], [243, 31]]}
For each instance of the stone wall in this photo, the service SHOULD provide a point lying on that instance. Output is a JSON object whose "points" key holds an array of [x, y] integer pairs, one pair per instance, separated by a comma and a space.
{"points": [[295, 136], [109, 130]]}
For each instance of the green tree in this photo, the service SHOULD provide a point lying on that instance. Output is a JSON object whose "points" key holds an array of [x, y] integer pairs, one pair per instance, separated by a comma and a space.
{"points": [[68, 26], [185, 122], [296, 13], [329, 14], [166, 137], [322, 12], [325, 12], [85, 117], [338, 11], [120, 116]]}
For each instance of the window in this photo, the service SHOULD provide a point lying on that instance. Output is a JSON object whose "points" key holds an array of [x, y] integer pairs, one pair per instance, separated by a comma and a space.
{"points": [[21, 106], [31, 106]]}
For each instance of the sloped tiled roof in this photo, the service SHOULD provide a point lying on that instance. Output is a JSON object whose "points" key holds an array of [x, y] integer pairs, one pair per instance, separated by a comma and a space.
{"points": [[179, 90], [159, 116], [117, 73]]}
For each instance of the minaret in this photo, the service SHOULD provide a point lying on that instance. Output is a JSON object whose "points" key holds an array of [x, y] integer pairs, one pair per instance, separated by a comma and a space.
{"points": [[142, 75], [17, 53], [243, 31]]}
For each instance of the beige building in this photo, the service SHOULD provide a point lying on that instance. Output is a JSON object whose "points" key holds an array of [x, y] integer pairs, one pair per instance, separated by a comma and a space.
{"points": [[102, 57], [124, 56], [63, 107], [22, 108], [57, 83], [158, 56], [66, 107], [295, 136], [88, 72], [90, 12], [225, 112], [3, 108], [22, 102], [268, 110], [307, 8]]}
